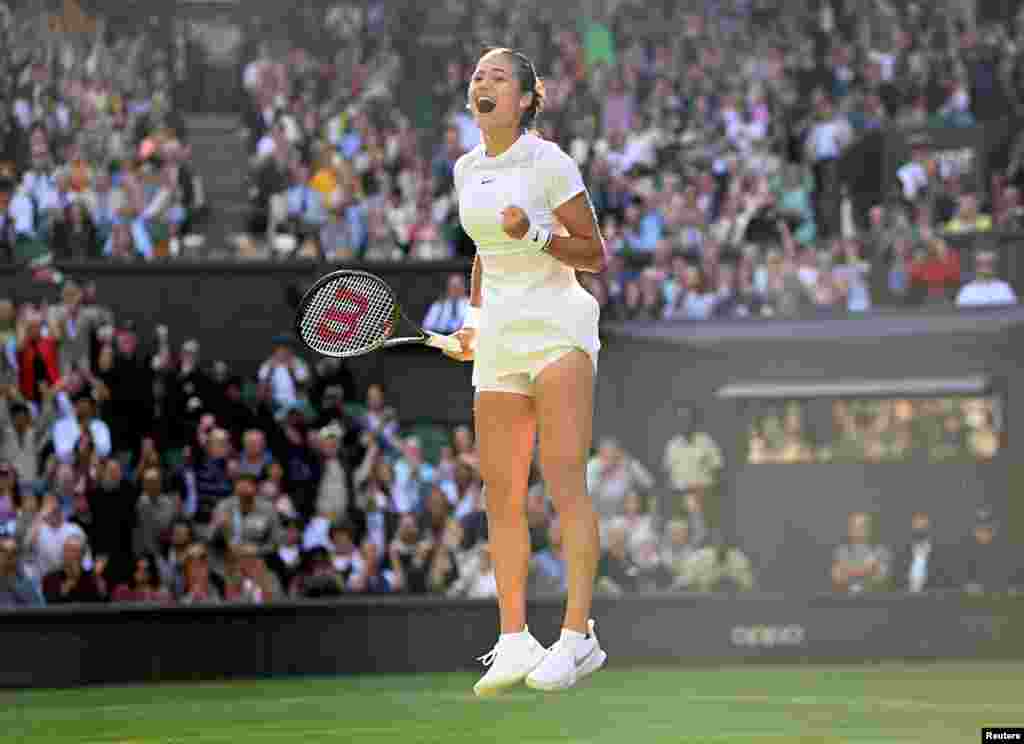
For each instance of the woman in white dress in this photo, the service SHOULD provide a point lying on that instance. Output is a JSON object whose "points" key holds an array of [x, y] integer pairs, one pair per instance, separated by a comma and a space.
{"points": [[531, 332]]}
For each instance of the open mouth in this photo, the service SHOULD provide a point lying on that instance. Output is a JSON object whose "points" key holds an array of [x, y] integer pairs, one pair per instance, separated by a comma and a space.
{"points": [[485, 105]]}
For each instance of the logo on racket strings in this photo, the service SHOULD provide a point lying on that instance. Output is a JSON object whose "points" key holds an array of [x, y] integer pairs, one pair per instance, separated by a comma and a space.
{"points": [[338, 326]]}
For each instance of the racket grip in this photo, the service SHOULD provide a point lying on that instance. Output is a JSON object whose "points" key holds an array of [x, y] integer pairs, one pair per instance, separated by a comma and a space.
{"points": [[445, 343]]}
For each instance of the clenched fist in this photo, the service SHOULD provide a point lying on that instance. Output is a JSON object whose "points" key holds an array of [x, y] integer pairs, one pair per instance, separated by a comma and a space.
{"points": [[514, 222]]}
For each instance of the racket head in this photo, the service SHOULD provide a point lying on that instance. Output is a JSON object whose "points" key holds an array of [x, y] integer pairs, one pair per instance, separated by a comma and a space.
{"points": [[347, 313]]}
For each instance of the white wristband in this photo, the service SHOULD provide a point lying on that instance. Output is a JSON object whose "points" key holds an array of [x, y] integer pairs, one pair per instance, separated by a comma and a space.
{"points": [[472, 319], [540, 237]]}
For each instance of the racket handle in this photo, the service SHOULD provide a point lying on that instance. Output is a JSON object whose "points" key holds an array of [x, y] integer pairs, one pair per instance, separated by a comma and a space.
{"points": [[445, 343]]}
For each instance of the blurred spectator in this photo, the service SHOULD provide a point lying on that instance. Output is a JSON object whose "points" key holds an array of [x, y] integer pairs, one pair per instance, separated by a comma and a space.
{"points": [[47, 535], [936, 271], [112, 520], [613, 473], [859, 564], [409, 553], [678, 554], [333, 499], [38, 358], [986, 288], [245, 518], [412, 472], [72, 582], [987, 562], [254, 458], [348, 560], [257, 583], [381, 419], [721, 567], [692, 460], [435, 513], [374, 579], [444, 566], [171, 561], [68, 429], [617, 572], [921, 565], [212, 482], [157, 512], [638, 524], [143, 584], [548, 571], [479, 581], [16, 589], [22, 436], [446, 314], [286, 374], [967, 218], [10, 494], [197, 587]]}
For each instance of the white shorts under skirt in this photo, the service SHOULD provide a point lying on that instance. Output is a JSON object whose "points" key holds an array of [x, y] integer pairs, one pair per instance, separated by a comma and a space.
{"points": [[522, 383]]}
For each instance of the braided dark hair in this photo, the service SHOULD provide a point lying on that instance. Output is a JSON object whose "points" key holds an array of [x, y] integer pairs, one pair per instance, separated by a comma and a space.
{"points": [[529, 82]]}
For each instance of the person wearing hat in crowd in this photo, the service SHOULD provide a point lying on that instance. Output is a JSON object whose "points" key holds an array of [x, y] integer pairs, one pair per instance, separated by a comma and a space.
{"points": [[989, 565], [68, 429], [335, 482], [286, 374]]}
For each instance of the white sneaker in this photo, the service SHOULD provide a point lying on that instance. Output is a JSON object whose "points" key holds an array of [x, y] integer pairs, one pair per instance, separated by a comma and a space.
{"points": [[511, 659], [565, 664]]}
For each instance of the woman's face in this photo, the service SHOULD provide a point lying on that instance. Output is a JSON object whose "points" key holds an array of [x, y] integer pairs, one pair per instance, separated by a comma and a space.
{"points": [[496, 81]]}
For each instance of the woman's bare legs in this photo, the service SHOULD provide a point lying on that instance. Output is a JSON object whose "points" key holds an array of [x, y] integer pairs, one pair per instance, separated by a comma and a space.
{"points": [[505, 432], [565, 421]]}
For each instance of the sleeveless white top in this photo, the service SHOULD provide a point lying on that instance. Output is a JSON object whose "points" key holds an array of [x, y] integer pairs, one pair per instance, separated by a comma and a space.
{"points": [[531, 302]]}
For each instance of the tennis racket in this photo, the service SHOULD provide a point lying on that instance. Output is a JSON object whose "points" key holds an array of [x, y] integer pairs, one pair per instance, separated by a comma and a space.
{"points": [[350, 313]]}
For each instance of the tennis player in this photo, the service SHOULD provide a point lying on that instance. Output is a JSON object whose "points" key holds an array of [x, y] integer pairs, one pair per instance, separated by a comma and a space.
{"points": [[531, 332]]}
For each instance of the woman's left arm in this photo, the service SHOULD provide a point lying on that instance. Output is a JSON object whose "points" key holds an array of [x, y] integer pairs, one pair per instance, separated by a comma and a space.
{"points": [[583, 249]]}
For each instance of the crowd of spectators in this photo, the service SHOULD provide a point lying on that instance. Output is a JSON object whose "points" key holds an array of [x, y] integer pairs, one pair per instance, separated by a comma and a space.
{"points": [[983, 562], [94, 156], [153, 474], [711, 152], [929, 430], [157, 474]]}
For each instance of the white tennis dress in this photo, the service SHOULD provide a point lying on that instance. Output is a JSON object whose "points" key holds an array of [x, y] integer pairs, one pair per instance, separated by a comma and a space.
{"points": [[533, 308]]}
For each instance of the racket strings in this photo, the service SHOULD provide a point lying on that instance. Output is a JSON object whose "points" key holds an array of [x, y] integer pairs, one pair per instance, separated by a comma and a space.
{"points": [[348, 315]]}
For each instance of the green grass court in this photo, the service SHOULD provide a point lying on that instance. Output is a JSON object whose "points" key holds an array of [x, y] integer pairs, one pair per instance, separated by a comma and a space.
{"points": [[886, 704]]}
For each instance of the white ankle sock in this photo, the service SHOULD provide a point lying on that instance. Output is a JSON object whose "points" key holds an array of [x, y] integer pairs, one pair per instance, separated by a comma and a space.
{"points": [[520, 636], [573, 636]]}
